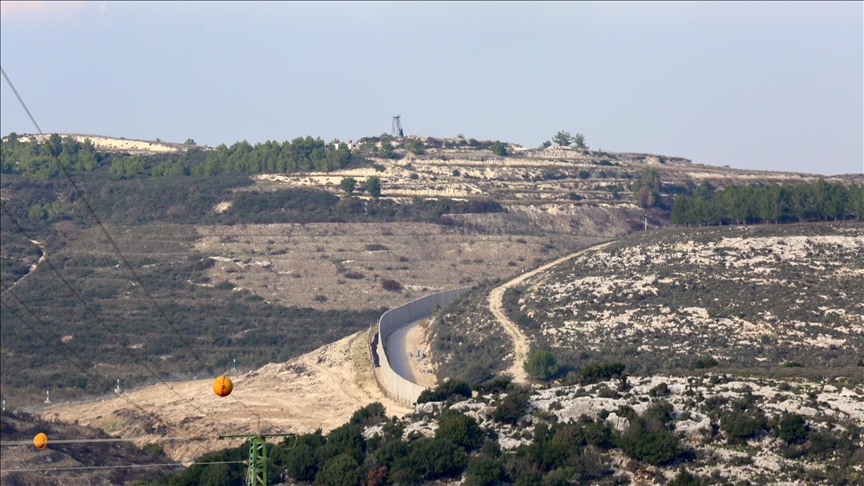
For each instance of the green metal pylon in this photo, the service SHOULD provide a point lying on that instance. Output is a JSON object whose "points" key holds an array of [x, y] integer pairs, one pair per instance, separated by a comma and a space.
{"points": [[256, 475]]}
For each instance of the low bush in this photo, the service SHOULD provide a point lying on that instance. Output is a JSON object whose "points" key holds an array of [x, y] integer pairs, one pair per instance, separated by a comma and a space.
{"points": [[703, 363], [596, 372], [391, 285], [512, 407]]}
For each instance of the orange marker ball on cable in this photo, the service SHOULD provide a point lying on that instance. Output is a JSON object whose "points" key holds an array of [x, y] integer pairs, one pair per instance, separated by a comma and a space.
{"points": [[40, 441], [222, 386]]}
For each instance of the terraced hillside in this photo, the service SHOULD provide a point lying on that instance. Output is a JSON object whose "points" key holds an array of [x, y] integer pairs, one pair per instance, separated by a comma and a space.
{"points": [[780, 299]]}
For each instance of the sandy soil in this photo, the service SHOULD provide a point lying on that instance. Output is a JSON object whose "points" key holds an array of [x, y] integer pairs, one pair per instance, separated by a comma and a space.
{"points": [[121, 144], [520, 340], [320, 389]]}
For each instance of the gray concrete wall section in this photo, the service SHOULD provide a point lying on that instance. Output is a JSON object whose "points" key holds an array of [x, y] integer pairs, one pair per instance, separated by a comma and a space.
{"points": [[399, 387]]}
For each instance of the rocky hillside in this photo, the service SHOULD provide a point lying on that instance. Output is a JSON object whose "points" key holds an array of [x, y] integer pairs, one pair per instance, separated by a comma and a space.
{"points": [[778, 299]]}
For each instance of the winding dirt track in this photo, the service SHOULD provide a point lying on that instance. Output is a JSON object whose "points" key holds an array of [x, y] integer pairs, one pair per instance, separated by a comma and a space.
{"points": [[32, 267], [521, 346]]}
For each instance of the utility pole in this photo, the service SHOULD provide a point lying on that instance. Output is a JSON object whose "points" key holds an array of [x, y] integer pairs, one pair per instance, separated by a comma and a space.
{"points": [[256, 475]]}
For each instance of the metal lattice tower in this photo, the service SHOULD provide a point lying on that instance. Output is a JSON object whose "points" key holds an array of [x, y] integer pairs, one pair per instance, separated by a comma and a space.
{"points": [[256, 475], [396, 130]]}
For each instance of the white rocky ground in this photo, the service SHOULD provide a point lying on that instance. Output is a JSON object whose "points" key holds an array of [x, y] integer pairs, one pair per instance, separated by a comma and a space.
{"points": [[827, 407]]}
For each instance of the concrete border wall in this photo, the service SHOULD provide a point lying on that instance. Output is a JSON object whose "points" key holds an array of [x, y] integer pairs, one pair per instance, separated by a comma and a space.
{"points": [[399, 387]]}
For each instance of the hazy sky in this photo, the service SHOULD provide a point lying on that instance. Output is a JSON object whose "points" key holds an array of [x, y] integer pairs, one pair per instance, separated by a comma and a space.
{"points": [[769, 86]]}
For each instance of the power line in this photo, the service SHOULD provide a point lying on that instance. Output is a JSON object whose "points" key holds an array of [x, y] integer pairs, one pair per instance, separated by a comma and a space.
{"points": [[92, 312], [117, 248], [81, 468], [19, 99], [87, 441]]}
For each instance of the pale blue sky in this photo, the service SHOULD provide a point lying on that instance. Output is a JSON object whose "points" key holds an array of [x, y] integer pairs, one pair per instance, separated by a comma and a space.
{"points": [[766, 86]]}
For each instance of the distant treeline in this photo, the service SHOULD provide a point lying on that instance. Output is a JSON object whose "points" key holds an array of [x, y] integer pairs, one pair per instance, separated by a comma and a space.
{"points": [[300, 155], [35, 160], [769, 203]]}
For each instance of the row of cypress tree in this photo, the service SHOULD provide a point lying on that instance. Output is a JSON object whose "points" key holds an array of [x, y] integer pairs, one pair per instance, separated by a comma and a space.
{"points": [[769, 203]]}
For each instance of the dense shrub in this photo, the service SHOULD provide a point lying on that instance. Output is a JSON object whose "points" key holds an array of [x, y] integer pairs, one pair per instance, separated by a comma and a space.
{"points": [[459, 429], [792, 428], [448, 388], [744, 421], [342, 470], [371, 414], [512, 407], [428, 459], [495, 385], [391, 285], [652, 445], [703, 363], [595, 372], [499, 148], [415, 146], [541, 364], [483, 471]]}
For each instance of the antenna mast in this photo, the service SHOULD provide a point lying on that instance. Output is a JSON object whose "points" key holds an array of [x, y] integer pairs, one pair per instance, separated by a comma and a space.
{"points": [[396, 130]]}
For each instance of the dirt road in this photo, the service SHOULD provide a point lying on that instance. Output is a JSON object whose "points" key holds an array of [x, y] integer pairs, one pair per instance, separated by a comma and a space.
{"points": [[520, 341], [407, 339]]}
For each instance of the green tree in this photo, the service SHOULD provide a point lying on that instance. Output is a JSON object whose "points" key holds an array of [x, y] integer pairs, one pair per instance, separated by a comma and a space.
{"points": [[499, 148], [771, 207], [563, 139], [387, 150], [483, 471], [579, 140], [856, 200], [301, 462], [545, 144], [837, 201], [793, 428], [126, 166], [348, 184], [683, 210], [342, 470], [646, 190], [512, 406], [415, 146], [459, 429], [649, 443], [54, 146], [189, 141], [428, 459], [373, 187], [541, 364]]}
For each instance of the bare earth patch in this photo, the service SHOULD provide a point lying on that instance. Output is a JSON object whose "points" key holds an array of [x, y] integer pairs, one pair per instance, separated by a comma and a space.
{"points": [[320, 389]]}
